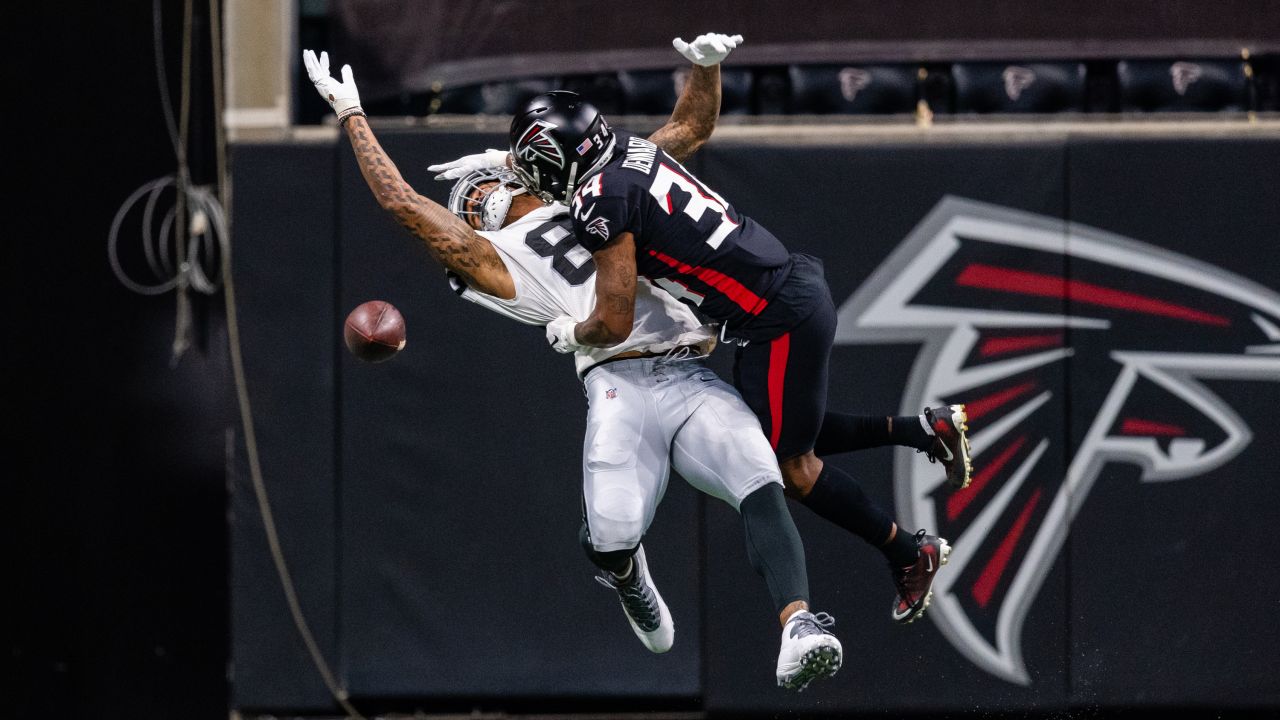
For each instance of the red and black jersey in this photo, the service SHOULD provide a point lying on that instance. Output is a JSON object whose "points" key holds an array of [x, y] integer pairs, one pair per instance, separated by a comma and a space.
{"points": [[689, 241]]}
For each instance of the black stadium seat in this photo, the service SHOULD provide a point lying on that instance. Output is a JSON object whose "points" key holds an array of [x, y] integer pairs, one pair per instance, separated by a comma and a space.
{"points": [[1266, 79], [495, 98], [1183, 85], [772, 92], [654, 92], [855, 89], [603, 90], [649, 92], [1035, 87], [736, 86]]}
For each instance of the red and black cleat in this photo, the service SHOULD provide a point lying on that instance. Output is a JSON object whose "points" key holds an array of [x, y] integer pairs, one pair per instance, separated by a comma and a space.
{"points": [[915, 582], [950, 443]]}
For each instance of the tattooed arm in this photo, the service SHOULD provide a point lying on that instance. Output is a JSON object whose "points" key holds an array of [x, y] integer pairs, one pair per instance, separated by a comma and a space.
{"points": [[447, 238], [614, 314], [694, 116]]}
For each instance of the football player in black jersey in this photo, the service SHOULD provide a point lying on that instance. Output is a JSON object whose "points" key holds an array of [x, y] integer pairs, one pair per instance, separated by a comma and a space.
{"points": [[642, 213]]}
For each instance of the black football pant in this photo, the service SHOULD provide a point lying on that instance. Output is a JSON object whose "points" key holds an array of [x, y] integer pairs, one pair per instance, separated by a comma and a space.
{"points": [[784, 380]]}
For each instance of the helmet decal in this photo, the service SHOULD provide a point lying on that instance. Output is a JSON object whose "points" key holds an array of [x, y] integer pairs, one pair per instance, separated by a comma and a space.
{"points": [[537, 143]]}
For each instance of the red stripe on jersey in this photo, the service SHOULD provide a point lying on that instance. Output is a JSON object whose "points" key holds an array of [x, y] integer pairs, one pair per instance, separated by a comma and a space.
{"points": [[730, 288], [779, 349]]}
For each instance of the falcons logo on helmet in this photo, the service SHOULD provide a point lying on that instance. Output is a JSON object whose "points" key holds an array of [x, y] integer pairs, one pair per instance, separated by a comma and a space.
{"points": [[986, 292], [537, 142]]}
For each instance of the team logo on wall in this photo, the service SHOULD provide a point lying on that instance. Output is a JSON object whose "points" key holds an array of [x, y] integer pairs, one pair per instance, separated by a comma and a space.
{"points": [[1016, 79], [1001, 302], [1184, 75], [536, 142]]}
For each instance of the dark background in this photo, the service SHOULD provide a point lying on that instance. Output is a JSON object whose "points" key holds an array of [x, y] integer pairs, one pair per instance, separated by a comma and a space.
{"points": [[118, 494], [115, 480]]}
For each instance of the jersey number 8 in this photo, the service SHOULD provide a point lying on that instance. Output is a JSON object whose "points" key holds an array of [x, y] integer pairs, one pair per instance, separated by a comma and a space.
{"points": [[554, 239]]}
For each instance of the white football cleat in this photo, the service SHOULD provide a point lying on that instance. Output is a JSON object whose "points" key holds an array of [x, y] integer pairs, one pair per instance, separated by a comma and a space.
{"points": [[808, 651], [644, 607]]}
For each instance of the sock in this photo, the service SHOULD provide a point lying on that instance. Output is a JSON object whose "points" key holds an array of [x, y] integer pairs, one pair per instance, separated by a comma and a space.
{"points": [[846, 433], [617, 562], [902, 550], [793, 615], [837, 497], [912, 431], [773, 545], [625, 574]]}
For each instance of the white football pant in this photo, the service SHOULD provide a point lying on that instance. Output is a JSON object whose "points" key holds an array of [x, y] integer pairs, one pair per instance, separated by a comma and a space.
{"points": [[648, 415]]}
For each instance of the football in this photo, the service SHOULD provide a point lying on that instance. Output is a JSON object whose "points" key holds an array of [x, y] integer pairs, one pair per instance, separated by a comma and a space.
{"points": [[374, 331]]}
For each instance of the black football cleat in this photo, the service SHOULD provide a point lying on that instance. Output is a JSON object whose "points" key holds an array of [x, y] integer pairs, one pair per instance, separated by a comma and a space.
{"points": [[950, 443], [915, 582]]}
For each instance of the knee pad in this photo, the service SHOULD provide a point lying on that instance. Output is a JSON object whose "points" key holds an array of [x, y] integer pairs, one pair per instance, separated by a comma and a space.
{"points": [[616, 515], [611, 451]]}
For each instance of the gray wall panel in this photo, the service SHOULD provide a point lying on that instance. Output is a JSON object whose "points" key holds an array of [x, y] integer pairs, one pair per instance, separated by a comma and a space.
{"points": [[284, 254]]}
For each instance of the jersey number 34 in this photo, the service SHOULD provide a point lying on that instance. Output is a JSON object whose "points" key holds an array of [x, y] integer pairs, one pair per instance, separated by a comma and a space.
{"points": [[701, 200]]}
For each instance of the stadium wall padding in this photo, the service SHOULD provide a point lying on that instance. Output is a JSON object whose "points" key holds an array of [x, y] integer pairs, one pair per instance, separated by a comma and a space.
{"points": [[284, 260], [430, 505]]}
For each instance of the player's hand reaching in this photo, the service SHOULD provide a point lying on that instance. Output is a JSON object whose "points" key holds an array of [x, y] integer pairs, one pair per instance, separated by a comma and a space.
{"points": [[708, 49], [560, 335], [469, 163], [341, 96]]}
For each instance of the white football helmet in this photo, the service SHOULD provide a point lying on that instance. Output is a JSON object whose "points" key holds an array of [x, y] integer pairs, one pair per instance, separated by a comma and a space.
{"points": [[483, 197]]}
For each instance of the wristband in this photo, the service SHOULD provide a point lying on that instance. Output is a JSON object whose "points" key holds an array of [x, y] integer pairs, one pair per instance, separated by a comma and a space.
{"points": [[357, 110]]}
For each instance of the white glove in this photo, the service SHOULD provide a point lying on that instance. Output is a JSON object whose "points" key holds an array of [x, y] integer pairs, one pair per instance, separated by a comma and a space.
{"points": [[342, 96], [469, 163], [707, 49], [560, 335]]}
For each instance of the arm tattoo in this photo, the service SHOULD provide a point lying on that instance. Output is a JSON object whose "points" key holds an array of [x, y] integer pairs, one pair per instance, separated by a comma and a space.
{"points": [[448, 239], [694, 117]]}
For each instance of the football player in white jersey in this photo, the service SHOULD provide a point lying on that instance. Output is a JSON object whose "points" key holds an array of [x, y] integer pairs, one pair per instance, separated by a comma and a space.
{"points": [[653, 403]]}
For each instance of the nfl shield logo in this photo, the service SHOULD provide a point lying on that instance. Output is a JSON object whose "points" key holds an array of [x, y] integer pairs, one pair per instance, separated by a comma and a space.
{"points": [[611, 393]]}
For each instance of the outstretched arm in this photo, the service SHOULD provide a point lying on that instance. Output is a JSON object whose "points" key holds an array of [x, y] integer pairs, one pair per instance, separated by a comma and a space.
{"points": [[698, 107], [447, 238]]}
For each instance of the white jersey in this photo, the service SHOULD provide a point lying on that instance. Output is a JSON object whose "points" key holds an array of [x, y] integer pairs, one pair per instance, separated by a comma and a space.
{"points": [[554, 276]]}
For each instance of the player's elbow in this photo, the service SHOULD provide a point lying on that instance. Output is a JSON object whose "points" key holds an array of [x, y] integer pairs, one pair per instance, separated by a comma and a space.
{"points": [[700, 132]]}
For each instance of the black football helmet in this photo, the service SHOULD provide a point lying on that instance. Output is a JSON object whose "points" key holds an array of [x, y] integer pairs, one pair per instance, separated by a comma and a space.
{"points": [[557, 140]]}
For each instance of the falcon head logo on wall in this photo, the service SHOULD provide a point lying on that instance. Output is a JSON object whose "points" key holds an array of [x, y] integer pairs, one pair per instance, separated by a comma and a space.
{"points": [[1184, 75], [1001, 303], [1016, 79], [537, 143]]}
